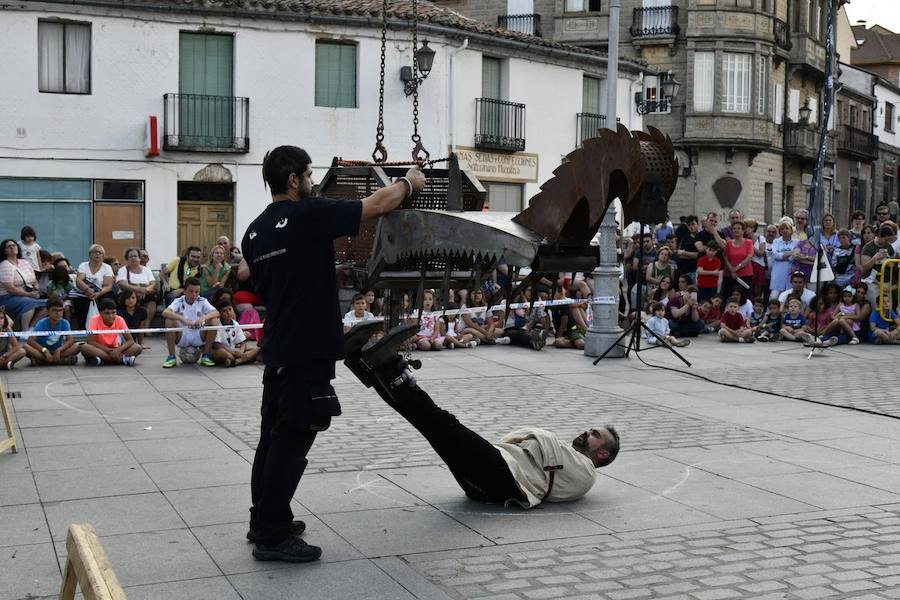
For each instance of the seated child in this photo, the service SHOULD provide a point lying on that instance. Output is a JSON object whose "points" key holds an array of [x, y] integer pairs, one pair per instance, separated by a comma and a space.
{"points": [[793, 328], [769, 329], [230, 348], [10, 350], [454, 337], [756, 315], [844, 329], [818, 318], [733, 327], [745, 306], [358, 313], [885, 330], [109, 348], [430, 336], [711, 313], [192, 312], [659, 325], [52, 349]]}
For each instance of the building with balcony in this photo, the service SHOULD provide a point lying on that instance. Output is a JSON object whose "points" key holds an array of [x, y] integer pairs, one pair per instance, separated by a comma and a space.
{"points": [[146, 123]]}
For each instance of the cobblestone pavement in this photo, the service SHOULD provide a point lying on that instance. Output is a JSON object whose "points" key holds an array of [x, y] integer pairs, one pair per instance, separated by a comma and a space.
{"points": [[841, 556], [370, 435]]}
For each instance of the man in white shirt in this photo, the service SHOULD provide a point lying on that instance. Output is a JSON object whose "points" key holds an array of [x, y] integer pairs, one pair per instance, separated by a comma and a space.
{"points": [[798, 290], [527, 466]]}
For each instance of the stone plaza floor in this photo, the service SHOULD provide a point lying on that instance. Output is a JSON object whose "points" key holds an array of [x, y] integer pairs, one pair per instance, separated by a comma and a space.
{"points": [[788, 490]]}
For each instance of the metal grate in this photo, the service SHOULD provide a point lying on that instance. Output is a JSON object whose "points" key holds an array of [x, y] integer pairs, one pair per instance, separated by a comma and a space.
{"points": [[13, 395]]}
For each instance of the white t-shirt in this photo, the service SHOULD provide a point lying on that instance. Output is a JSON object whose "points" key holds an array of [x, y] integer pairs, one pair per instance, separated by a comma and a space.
{"points": [[231, 337], [145, 277], [805, 298], [191, 312], [31, 253], [351, 316], [93, 280]]}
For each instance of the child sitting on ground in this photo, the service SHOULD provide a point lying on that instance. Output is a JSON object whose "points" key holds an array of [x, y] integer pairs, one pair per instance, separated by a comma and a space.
{"points": [[793, 327], [659, 325], [230, 348], [818, 318], [359, 312], [430, 336], [769, 329], [10, 350], [191, 312], [454, 338], [756, 316], [843, 328], [109, 348], [885, 329], [52, 349], [733, 327], [711, 314]]}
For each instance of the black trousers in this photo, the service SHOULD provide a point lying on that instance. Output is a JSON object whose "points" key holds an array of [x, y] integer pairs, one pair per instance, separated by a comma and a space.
{"points": [[477, 466], [284, 442]]}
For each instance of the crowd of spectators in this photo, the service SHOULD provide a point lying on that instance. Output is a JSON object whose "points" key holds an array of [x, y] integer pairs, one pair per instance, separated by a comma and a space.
{"points": [[743, 282]]}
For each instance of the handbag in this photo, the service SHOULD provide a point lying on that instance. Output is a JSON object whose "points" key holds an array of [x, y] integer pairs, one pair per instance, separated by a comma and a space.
{"points": [[92, 312], [25, 286]]}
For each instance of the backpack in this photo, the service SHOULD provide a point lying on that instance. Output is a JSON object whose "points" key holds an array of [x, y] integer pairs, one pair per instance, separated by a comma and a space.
{"points": [[251, 317]]}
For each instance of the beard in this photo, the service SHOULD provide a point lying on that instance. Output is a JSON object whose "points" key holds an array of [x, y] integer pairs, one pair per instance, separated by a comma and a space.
{"points": [[580, 443]]}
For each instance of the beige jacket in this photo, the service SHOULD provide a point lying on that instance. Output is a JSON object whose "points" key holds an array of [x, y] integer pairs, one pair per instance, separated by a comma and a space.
{"points": [[528, 450]]}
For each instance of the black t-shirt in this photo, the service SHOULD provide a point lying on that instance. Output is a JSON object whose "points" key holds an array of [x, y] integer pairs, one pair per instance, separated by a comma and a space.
{"points": [[134, 320], [289, 249], [689, 244]]}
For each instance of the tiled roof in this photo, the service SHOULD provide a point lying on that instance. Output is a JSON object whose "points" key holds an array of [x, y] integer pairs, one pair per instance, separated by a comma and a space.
{"points": [[879, 46], [370, 9]]}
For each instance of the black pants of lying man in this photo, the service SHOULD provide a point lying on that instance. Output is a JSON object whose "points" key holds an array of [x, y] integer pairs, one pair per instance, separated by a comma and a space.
{"points": [[528, 466]]}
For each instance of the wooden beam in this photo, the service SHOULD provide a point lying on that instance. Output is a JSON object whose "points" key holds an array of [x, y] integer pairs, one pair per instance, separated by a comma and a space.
{"points": [[88, 567], [10, 441]]}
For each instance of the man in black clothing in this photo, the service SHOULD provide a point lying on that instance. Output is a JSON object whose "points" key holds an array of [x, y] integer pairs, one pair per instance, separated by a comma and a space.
{"points": [[289, 255], [687, 248]]}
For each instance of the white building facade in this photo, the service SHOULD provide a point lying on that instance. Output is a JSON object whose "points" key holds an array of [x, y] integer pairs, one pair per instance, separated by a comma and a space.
{"points": [[82, 83], [886, 179]]}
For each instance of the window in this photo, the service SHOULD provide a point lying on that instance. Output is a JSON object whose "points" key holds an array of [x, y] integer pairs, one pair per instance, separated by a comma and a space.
{"points": [[491, 83], [888, 117], [64, 57], [117, 190], [504, 197], [582, 5], [736, 69], [590, 95], [704, 80], [762, 83], [335, 75], [887, 191], [58, 209], [653, 97]]}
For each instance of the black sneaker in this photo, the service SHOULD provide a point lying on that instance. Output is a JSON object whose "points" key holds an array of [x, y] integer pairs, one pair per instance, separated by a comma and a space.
{"points": [[537, 338], [297, 529], [354, 341], [385, 351], [94, 361], [292, 549]]}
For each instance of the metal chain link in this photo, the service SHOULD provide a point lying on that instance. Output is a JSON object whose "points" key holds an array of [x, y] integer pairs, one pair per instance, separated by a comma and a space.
{"points": [[379, 154], [418, 152]]}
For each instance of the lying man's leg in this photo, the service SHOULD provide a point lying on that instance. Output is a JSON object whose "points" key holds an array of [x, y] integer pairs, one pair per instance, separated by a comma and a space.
{"points": [[478, 466]]}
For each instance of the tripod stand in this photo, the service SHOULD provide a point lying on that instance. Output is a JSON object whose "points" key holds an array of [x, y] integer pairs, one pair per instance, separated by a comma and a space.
{"points": [[633, 331]]}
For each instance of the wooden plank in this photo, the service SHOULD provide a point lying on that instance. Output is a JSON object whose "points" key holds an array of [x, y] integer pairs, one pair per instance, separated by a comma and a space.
{"points": [[92, 569], [10, 441]]}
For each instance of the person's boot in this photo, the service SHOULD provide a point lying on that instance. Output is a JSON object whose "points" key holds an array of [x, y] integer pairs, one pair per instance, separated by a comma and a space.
{"points": [[384, 362], [354, 341]]}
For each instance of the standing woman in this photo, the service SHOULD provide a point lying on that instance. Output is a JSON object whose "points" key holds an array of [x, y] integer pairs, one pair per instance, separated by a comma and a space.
{"points": [[759, 260], [137, 278], [18, 286], [738, 255], [829, 236], [215, 272], [94, 281], [782, 258]]}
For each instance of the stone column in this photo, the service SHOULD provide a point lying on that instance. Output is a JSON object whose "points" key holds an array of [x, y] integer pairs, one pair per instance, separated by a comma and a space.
{"points": [[605, 328]]}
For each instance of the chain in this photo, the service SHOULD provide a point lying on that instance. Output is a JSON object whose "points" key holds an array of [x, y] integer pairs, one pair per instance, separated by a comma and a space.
{"points": [[419, 153], [379, 154]]}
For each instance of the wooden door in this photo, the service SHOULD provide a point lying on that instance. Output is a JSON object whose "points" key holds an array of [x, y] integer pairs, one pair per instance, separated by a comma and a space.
{"points": [[118, 226], [200, 223]]}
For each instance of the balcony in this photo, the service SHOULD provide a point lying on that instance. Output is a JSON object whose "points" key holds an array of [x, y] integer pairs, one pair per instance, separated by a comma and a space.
{"points": [[530, 24], [858, 143], [655, 22], [802, 141], [737, 130], [499, 125], [808, 54], [202, 123], [588, 125], [782, 33]]}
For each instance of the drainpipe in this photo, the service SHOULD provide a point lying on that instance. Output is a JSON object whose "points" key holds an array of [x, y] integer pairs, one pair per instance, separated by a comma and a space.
{"points": [[451, 136]]}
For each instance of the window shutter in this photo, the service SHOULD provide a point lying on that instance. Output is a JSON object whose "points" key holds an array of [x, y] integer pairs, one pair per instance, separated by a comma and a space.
{"points": [[778, 117], [335, 75]]}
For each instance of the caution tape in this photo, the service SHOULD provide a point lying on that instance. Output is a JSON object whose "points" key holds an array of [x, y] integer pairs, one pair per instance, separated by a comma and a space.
{"points": [[482, 309]]}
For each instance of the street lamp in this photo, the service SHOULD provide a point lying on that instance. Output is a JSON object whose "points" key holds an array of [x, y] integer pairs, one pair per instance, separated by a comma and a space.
{"points": [[424, 60], [668, 90], [805, 112]]}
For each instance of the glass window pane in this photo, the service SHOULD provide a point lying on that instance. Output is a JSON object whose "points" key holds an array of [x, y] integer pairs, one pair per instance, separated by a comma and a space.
{"points": [[490, 77], [50, 57], [61, 226], [590, 102], [45, 189], [119, 190]]}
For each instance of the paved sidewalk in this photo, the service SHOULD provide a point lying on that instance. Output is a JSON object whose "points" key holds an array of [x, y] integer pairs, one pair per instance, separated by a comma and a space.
{"points": [[719, 492]]}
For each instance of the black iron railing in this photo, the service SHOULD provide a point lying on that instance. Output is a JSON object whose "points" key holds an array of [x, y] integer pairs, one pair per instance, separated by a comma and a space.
{"points": [[499, 124], [655, 21], [530, 24], [203, 123], [588, 125], [857, 141], [653, 106], [782, 32]]}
